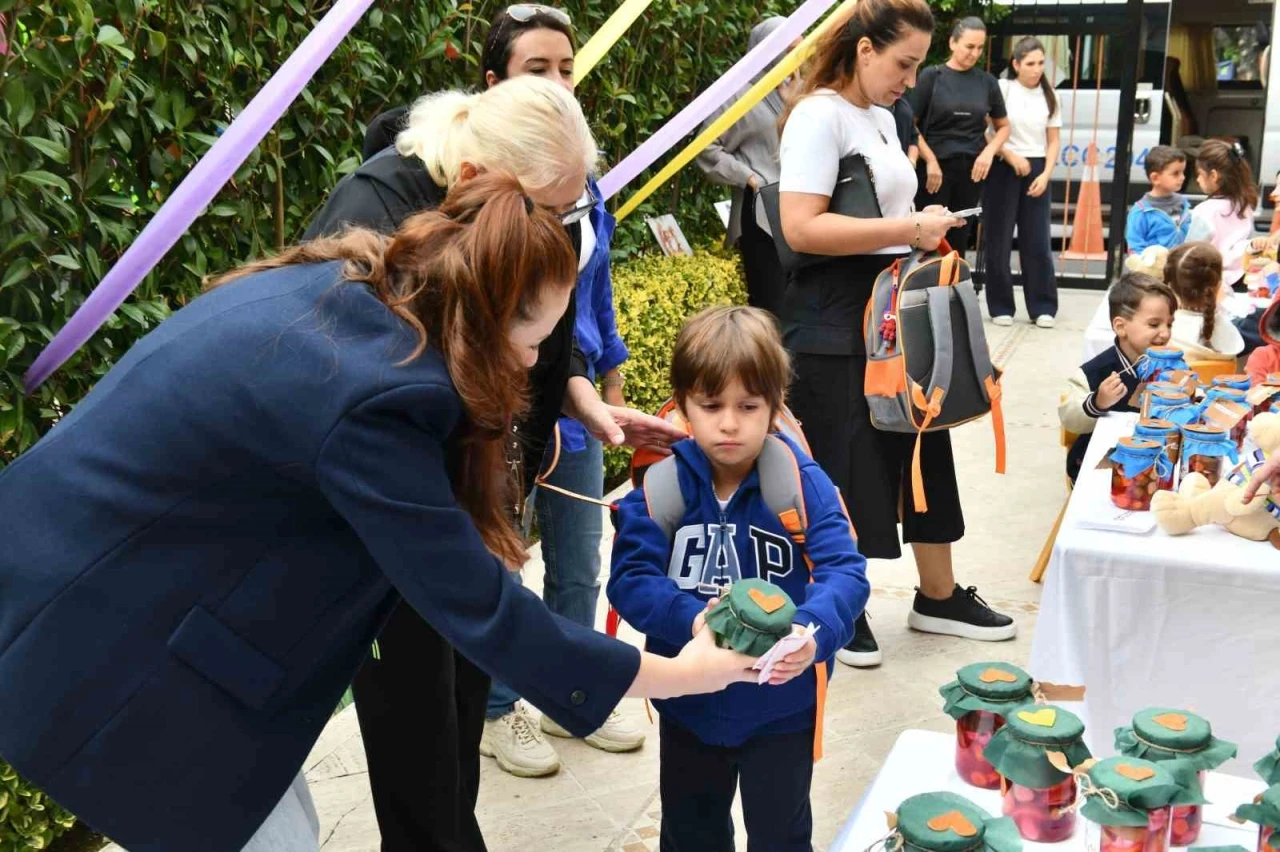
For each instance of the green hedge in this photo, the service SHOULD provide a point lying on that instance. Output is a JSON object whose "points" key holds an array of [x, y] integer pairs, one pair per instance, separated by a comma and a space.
{"points": [[653, 297], [28, 818]]}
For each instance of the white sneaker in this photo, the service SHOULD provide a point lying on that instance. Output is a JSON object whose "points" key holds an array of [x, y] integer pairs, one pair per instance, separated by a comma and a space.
{"points": [[1003, 320], [617, 734], [517, 744], [1045, 321]]}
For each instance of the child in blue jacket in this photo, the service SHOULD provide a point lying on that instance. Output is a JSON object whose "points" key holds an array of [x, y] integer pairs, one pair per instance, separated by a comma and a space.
{"points": [[1162, 217], [729, 375]]}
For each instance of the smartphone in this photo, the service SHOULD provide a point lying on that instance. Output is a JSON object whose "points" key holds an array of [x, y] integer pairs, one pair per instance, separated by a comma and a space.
{"points": [[965, 214]]}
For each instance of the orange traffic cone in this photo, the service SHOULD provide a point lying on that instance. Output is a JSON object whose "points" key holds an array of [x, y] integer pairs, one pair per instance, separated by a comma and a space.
{"points": [[1086, 229]]}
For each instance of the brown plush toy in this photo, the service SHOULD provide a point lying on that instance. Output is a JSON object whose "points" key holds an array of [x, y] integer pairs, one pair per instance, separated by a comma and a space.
{"points": [[1196, 504]]}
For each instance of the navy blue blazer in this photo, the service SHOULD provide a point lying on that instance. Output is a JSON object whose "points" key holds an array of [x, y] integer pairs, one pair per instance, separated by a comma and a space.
{"points": [[197, 558]]}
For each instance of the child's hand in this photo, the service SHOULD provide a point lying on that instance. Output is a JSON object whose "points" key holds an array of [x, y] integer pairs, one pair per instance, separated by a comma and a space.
{"points": [[1111, 391], [795, 662], [1258, 245], [700, 620]]}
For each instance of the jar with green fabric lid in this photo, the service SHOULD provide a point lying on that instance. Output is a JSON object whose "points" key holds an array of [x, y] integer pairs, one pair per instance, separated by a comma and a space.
{"points": [[947, 822], [979, 699], [1268, 767], [1265, 811], [1129, 800], [1028, 751], [1184, 744], [752, 617]]}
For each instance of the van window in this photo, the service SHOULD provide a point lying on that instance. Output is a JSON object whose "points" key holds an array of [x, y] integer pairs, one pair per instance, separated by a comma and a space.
{"points": [[1236, 53]]}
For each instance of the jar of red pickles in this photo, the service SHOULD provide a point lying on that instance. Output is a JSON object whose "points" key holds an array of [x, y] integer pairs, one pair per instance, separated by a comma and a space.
{"points": [[1127, 803], [1265, 811], [1164, 432], [1268, 767], [1160, 362], [1265, 394], [947, 822], [1235, 381], [1171, 405], [1139, 468], [1203, 449], [1184, 744], [979, 699], [1240, 398], [1028, 751]]}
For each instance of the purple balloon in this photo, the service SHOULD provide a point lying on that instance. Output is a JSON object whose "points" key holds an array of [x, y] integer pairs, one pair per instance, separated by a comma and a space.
{"points": [[735, 79], [197, 190]]}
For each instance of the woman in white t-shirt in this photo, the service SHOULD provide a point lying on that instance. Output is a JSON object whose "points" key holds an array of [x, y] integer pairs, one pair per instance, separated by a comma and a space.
{"points": [[867, 59], [1017, 192]]}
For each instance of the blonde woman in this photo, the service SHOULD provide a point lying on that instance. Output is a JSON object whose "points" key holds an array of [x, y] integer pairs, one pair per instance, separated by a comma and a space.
{"points": [[423, 724]]}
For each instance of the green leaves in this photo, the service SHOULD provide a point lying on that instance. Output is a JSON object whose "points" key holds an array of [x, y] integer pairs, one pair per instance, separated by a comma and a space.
{"points": [[53, 150]]}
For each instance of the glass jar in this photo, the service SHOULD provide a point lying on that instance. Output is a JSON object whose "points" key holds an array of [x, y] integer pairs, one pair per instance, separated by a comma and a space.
{"points": [[1241, 398], [1203, 449], [1138, 470], [1187, 821], [1154, 837], [1267, 394], [1161, 363], [1042, 815], [1162, 432], [973, 732], [1171, 405], [1236, 381], [1264, 838]]}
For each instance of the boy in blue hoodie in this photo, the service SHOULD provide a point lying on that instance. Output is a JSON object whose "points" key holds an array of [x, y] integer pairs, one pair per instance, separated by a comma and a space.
{"points": [[1162, 216], [729, 375]]}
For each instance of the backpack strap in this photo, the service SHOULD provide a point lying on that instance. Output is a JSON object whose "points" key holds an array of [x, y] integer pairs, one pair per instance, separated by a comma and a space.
{"points": [[781, 488], [662, 496], [985, 370]]}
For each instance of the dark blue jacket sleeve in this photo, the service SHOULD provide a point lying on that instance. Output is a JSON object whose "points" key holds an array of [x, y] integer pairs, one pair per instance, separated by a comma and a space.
{"points": [[383, 469], [639, 587], [839, 591]]}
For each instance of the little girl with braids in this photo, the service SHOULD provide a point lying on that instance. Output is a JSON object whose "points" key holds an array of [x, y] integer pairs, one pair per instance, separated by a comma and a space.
{"points": [[1201, 329]]}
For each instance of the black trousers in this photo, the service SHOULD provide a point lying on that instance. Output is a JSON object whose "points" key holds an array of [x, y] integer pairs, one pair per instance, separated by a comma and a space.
{"points": [[766, 282], [1005, 204], [958, 192], [421, 709], [698, 782]]}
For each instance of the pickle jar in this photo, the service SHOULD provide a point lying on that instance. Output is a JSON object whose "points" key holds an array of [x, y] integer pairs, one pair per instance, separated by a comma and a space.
{"points": [[1236, 381], [1164, 432], [979, 699], [1203, 449], [1172, 405], [1239, 397], [948, 822], [1127, 803], [1265, 394], [1160, 363], [1027, 752], [1268, 767], [1265, 811], [1184, 744], [1139, 468]]}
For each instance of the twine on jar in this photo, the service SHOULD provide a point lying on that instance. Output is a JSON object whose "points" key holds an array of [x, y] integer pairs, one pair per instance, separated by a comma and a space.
{"points": [[891, 842], [1139, 738], [1086, 788], [1019, 698]]}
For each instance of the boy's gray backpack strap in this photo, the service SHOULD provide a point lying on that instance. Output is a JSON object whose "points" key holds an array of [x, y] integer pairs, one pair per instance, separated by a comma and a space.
{"points": [[781, 488], [662, 496]]}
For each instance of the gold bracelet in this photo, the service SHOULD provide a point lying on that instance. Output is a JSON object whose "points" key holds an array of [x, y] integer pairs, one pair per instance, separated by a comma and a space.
{"points": [[915, 244]]}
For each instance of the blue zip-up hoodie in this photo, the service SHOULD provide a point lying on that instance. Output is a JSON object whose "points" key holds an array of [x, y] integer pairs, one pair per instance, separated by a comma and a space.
{"points": [[595, 327], [660, 586], [1148, 225]]}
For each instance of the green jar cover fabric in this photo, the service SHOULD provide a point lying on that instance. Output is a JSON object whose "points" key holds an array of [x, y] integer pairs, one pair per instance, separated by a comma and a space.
{"points": [[1264, 811], [1122, 790], [1019, 750], [947, 822], [752, 617], [1269, 767], [996, 688], [1160, 734]]}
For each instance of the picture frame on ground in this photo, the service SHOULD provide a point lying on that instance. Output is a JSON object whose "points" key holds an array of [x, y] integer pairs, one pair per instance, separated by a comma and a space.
{"points": [[670, 238]]}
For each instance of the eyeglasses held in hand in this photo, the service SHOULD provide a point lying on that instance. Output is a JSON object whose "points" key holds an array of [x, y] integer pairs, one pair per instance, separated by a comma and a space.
{"points": [[525, 12]]}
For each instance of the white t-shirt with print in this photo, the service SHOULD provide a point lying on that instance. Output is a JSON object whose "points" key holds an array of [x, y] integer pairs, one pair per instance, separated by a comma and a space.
{"points": [[823, 129], [1028, 118]]}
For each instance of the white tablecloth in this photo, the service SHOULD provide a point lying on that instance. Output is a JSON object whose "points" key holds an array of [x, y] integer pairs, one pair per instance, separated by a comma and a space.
{"points": [[924, 762], [1098, 335], [1191, 622]]}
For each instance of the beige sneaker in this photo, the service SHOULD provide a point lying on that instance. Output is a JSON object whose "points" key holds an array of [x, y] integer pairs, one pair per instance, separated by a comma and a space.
{"points": [[617, 734], [517, 744]]}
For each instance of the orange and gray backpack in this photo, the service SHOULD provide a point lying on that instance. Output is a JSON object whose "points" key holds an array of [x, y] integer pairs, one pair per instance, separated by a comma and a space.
{"points": [[928, 366]]}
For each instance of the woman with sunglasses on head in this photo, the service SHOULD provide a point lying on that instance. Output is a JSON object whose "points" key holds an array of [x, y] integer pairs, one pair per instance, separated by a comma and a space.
{"points": [[867, 61], [199, 556], [536, 40]]}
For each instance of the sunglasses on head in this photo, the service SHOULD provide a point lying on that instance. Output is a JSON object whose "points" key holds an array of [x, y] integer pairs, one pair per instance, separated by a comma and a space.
{"points": [[577, 214], [525, 12]]}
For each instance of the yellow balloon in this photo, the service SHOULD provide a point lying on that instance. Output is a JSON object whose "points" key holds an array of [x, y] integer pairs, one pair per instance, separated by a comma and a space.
{"points": [[590, 54], [753, 96]]}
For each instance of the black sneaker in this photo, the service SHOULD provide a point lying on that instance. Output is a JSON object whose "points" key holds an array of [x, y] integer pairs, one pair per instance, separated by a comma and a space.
{"points": [[862, 652], [964, 614]]}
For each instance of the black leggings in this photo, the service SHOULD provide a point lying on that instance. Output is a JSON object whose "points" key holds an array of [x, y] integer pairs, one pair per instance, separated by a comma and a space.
{"points": [[958, 192]]}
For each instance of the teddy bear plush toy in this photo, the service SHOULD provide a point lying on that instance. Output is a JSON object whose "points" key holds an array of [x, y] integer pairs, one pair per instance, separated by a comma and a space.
{"points": [[1196, 504]]}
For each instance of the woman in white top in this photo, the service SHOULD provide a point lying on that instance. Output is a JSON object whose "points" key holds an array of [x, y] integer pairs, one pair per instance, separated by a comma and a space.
{"points": [[1017, 192], [868, 59]]}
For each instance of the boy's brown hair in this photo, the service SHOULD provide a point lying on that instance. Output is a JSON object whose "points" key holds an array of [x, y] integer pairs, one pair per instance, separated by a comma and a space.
{"points": [[1162, 157], [1126, 295], [720, 344]]}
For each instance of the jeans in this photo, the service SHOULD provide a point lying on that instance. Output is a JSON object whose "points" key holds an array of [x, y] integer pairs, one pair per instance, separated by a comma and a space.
{"points": [[1005, 204], [571, 532]]}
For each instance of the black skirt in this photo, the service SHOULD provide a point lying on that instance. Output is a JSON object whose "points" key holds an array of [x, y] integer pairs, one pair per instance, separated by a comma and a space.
{"points": [[870, 467]]}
